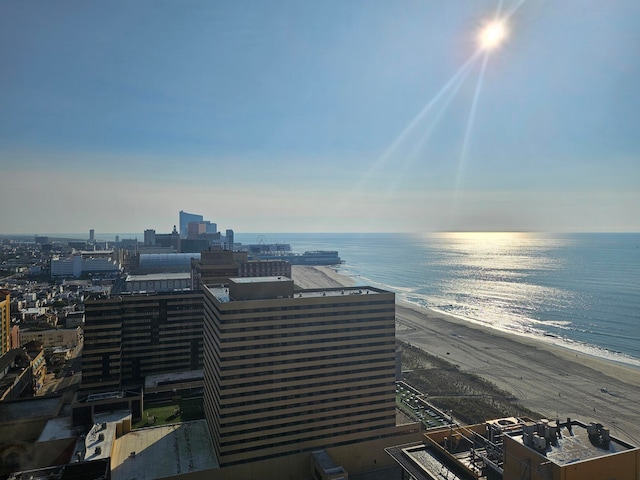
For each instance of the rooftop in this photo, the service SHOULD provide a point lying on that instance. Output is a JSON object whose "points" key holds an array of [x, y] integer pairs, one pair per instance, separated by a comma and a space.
{"points": [[151, 277], [30, 408], [99, 441], [260, 279], [580, 443], [57, 428], [222, 293], [159, 452]]}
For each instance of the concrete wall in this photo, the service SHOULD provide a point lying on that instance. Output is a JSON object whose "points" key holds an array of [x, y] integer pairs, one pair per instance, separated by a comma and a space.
{"points": [[356, 458]]}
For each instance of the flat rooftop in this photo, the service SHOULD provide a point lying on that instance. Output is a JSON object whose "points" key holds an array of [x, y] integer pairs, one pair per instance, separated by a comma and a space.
{"points": [[57, 428], [163, 451], [260, 279], [421, 462], [222, 294], [30, 408], [577, 446], [152, 277]]}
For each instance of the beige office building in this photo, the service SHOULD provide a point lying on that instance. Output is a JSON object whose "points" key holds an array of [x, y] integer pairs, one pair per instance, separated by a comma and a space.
{"points": [[288, 372]]}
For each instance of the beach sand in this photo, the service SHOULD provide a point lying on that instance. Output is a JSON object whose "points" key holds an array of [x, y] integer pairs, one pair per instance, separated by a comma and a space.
{"points": [[552, 380]]}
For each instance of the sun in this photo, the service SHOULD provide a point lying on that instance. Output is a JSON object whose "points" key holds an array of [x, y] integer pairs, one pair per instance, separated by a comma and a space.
{"points": [[492, 35]]}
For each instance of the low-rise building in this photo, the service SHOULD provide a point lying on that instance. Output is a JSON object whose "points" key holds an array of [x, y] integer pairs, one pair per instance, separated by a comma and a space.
{"points": [[515, 449], [16, 380], [98, 262], [53, 337]]}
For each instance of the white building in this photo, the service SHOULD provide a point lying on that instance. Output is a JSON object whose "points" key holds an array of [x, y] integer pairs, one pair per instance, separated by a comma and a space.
{"points": [[83, 262]]}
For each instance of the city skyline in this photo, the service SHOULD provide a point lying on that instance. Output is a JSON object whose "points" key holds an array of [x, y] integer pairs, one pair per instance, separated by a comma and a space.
{"points": [[306, 117]]}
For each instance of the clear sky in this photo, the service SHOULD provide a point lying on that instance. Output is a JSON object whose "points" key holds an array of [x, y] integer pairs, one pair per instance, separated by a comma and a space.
{"points": [[335, 115]]}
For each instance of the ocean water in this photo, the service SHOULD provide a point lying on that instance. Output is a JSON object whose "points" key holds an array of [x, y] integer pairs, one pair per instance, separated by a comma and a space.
{"points": [[581, 291]]}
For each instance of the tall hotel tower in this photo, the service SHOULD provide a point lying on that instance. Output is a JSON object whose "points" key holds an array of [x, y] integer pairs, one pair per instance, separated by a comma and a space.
{"points": [[292, 371], [130, 336]]}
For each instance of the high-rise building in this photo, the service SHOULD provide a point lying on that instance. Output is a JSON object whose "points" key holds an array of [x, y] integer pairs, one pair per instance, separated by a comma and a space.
{"points": [[293, 371], [92, 235], [214, 266], [128, 337], [185, 219], [5, 320], [229, 239], [149, 237]]}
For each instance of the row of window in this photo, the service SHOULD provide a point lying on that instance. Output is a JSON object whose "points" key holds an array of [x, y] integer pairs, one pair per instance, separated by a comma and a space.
{"points": [[329, 406], [346, 328], [306, 368], [340, 349], [385, 422], [293, 321], [353, 391], [311, 374], [284, 308], [315, 386], [251, 433]]}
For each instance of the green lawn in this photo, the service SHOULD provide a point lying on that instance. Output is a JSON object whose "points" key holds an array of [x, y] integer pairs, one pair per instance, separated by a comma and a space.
{"points": [[165, 413]]}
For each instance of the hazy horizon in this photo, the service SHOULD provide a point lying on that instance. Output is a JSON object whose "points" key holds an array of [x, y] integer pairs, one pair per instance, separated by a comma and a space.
{"points": [[309, 117]]}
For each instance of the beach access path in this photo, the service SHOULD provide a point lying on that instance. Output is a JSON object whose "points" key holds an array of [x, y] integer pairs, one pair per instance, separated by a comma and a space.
{"points": [[552, 380]]}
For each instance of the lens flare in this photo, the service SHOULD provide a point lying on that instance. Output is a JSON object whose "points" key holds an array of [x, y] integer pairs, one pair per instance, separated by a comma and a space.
{"points": [[492, 35]]}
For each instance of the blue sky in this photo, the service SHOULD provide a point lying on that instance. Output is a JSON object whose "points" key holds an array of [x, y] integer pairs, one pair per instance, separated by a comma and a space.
{"points": [[287, 116]]}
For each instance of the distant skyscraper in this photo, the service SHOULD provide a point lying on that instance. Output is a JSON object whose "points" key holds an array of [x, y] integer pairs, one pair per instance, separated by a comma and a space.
{"points": [[229, 241], [185, 219], [149, 237], [92, 235]]}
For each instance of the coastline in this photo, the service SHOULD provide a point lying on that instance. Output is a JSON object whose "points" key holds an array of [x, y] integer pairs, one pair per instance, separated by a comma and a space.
{"points": [[547, 378]]}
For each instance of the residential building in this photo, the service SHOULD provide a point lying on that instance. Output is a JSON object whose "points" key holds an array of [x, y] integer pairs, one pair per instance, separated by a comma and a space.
{"points": [[288, 372], [16, 379], [52, 337], [35, 350]]}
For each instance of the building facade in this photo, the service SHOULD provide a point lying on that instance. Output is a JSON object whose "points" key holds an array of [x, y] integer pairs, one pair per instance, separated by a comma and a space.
{"points": [[5, 321], [84, 263], [289, 372], [52, 337], [128, 337], [216, 266]]}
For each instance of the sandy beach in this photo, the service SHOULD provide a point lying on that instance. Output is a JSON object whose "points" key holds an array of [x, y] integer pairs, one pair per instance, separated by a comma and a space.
{"points": [[552, 380]]}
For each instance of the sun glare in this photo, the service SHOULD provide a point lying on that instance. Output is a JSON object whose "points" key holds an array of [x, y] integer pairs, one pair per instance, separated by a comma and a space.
{"points": [[492, 35]]}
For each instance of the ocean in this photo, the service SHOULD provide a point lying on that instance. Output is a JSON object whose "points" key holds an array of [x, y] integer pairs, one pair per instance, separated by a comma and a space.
{"points": [[580, 291]]}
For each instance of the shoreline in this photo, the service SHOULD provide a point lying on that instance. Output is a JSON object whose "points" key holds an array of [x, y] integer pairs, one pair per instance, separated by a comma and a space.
{"points": [[551, 379]]}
